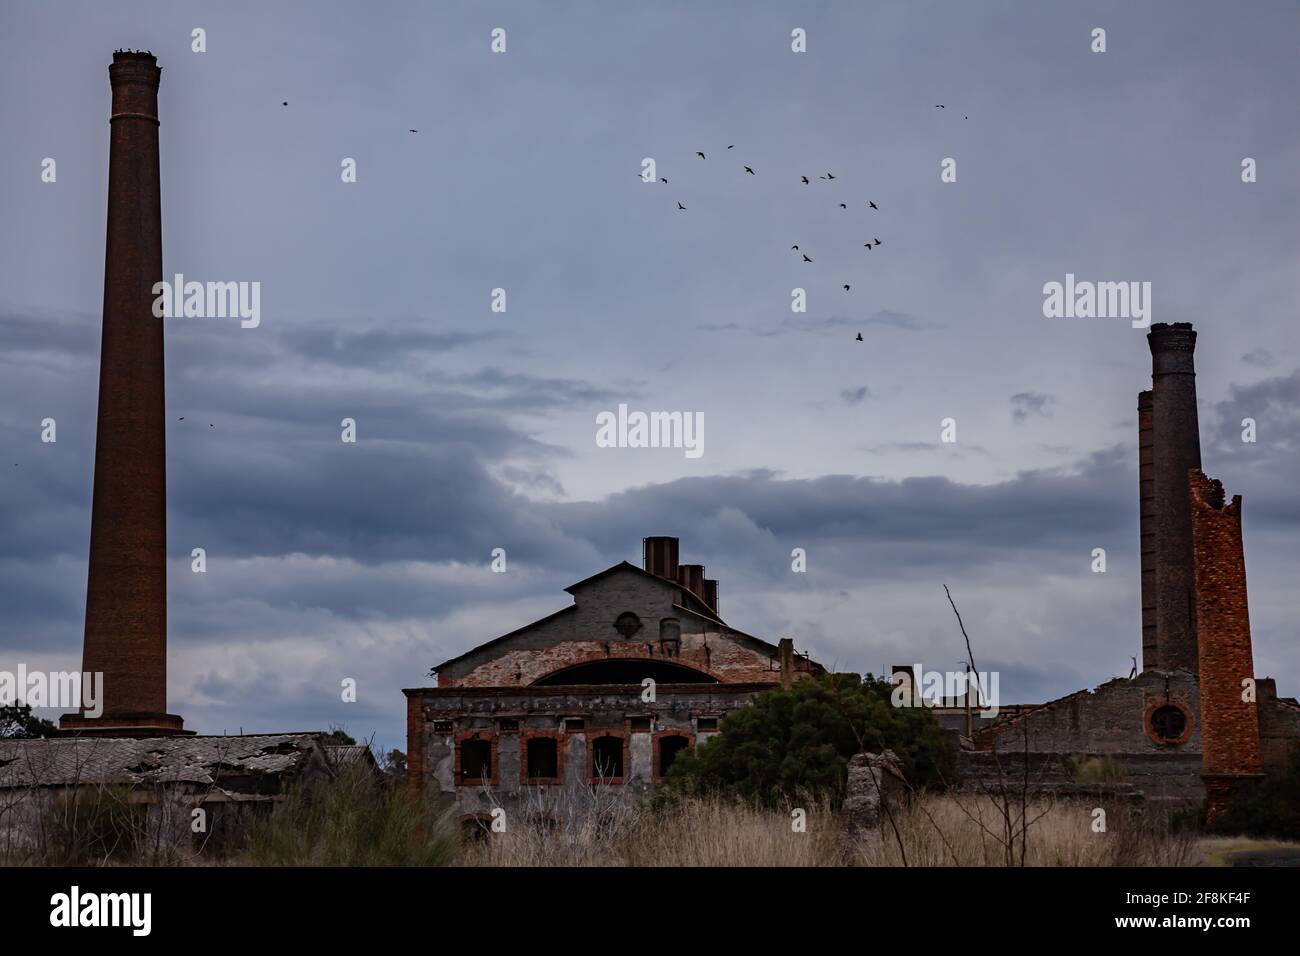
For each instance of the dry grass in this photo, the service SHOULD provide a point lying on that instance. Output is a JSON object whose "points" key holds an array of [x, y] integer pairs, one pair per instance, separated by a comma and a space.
{"points": [[690, 833], [966, 830], [948, 830]]}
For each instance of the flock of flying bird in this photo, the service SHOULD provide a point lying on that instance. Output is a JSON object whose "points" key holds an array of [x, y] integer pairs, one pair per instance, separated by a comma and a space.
{"points": [[829, 177]]}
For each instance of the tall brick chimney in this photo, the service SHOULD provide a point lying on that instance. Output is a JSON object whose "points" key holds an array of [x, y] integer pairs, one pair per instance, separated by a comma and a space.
{"points": [[1175, 448], [1229, 715], [126, 588], [1147, 534]]}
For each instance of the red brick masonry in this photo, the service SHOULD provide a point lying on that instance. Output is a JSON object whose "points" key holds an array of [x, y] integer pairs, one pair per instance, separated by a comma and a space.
{"points": [[1229, 716]]}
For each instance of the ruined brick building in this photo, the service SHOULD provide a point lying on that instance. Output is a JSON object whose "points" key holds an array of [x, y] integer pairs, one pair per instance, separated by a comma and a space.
{"points": [[558, 705], [1196, 721], [605, 691]]}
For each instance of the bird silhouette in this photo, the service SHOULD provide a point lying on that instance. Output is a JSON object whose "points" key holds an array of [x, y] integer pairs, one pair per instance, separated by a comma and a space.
{"points": [[732, 146], [1134, 671], [680, 206], [699, 154], [827, 176], [181, 419], [805, 180], [795, 248], [939, 106], [662, 179], [412, 130], [846, 287], [748, 170], [872, 205], [867, 246], [877, 242], [805, 258], [285, 103], [859, 336], [844, 206]]}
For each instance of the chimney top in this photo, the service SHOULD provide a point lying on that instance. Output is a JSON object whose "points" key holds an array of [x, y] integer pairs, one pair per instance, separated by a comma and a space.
{"points": [[1172, 336], [659, 555]]}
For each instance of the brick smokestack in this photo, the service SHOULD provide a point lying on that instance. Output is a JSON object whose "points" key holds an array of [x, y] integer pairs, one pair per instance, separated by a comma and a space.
{"points": [[1229, 715], [126, 589], [1176, 448], [1147, 536]]}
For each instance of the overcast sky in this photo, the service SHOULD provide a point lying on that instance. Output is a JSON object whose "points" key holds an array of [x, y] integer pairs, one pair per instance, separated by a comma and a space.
{"points": [[477, 428]]}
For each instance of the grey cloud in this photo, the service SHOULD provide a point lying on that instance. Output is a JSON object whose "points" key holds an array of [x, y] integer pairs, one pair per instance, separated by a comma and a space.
{"points": [[1260, 358], [1025, 405]]}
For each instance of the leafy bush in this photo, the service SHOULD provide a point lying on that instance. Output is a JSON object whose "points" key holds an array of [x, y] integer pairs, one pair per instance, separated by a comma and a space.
{"points": [[795, 743]]}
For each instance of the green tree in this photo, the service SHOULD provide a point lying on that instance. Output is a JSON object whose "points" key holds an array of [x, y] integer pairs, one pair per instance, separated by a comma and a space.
{"points": [[16, 720], [793, 742]]}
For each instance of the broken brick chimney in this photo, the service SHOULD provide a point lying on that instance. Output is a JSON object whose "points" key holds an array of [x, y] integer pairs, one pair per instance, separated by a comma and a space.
{"points": [[1229, 717], [126, 587]]}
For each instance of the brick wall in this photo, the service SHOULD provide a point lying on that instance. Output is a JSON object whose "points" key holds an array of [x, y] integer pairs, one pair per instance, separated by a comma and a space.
{"points": [[1229, 716], [439, 718]]}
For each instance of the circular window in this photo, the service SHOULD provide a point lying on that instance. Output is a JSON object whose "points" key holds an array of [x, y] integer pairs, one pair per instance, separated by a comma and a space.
{"points": [[1169, 724], [627, 624]]}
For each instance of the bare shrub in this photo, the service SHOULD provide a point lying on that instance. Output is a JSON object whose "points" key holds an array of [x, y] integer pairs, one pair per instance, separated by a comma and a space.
{"points": [[963, 830]]}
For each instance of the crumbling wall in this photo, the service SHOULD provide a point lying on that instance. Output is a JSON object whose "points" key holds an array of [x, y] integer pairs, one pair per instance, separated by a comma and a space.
{"points": [[440, 719], [1279, 726], [1111, 719]]}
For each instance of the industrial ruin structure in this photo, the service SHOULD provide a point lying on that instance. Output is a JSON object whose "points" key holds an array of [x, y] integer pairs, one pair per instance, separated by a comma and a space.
{"points": [[1196, 721], [559, 705], [126, 589], [608, 690]]}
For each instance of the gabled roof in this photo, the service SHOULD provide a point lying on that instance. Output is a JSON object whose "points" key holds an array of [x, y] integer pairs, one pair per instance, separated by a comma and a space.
{"points": [[693, 601], [693, 606], [504, 637]]}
